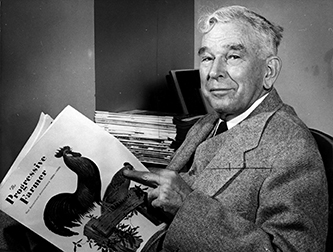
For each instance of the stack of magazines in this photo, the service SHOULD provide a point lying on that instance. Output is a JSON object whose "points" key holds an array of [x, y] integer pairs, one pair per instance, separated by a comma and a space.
{"points": [[148, 136]]}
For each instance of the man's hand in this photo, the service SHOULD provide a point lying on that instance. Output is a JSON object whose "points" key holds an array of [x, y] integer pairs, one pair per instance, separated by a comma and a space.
{"points": [[168, 191]]}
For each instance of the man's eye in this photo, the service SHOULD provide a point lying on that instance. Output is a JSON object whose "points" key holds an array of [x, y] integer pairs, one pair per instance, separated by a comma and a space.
{"points": [[206, 59], [233, 57]]}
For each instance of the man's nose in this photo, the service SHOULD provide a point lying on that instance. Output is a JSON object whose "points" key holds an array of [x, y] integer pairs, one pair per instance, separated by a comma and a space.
{"points": [[218, 69]]}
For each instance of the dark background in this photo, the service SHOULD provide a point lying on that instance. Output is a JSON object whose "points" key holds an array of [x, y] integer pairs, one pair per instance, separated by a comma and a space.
{"points": [[136, 44]]}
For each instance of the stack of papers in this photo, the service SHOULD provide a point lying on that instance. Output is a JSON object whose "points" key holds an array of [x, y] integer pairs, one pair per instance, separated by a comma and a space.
{"points": [[146, 135]]}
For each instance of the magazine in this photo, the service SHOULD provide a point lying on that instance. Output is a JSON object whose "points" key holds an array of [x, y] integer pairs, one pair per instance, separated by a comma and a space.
{"points": [[67, 186]]}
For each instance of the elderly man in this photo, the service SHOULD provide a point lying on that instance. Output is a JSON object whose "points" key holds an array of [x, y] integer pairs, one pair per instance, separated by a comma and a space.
{"points": [[258, 186]]}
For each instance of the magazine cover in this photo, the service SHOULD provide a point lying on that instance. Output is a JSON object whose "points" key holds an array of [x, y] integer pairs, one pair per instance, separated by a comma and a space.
{"points": [[67, 186]]}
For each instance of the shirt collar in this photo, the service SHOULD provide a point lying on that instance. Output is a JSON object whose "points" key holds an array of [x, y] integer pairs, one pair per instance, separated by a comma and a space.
{"points": [[234, 121]]}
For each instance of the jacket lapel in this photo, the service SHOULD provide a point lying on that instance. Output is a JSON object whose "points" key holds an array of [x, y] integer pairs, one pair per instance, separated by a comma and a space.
{"points": [[214, 171], [197, 134]]}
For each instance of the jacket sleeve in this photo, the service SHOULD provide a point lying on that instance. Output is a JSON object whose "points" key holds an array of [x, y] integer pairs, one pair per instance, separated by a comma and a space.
{"points": [[291, 214]]}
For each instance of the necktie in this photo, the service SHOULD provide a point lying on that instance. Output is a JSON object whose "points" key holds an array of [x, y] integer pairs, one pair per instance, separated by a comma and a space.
{"points": [[221, 128]]}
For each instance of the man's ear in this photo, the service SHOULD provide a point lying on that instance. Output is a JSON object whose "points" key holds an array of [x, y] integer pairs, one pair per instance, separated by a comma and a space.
{"points": [[273, 68]]}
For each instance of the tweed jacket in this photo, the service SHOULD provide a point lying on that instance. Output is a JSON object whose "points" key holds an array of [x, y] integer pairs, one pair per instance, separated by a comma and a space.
{"points": [[259, 186]]}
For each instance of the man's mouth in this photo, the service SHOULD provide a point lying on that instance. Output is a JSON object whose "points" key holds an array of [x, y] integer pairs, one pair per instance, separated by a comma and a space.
{"points": [[220, 91]]}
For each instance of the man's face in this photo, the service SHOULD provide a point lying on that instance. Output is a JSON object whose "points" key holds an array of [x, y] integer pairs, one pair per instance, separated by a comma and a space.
{"points": [[231, 72]]}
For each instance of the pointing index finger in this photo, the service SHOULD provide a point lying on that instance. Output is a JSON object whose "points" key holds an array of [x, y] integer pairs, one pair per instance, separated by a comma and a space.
{"points": [[142, 177]]}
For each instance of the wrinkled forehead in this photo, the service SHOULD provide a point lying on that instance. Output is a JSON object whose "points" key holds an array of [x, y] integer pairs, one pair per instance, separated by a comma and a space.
{"points": [[228, 36]]}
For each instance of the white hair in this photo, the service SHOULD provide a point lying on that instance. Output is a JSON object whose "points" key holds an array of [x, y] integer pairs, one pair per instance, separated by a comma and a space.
{"points": [[267, 34]]}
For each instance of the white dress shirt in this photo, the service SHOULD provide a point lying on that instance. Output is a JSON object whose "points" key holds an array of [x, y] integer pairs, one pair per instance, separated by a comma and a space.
{"points": [[234, 121]]}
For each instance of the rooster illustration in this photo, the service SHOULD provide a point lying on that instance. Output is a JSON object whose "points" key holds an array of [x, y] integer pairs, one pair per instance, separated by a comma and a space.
{"points": [[117, 190], [65, 210]]}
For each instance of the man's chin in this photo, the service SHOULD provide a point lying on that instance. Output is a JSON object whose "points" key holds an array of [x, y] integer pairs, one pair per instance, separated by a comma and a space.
{"points": [[217, 105]]}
